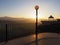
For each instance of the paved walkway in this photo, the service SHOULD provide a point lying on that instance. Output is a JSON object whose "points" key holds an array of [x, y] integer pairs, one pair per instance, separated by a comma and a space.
{"points": [[43, 39]]}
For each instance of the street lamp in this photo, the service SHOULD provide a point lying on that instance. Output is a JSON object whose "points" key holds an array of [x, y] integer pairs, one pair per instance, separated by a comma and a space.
{"points": [[36, 8]]}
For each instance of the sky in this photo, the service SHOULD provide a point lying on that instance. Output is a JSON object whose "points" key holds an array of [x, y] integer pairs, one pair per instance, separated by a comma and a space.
{"points": [[25, 8]]}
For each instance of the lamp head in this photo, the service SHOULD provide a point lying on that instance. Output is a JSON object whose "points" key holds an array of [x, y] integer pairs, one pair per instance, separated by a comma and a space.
{"points": [[36, 7]]}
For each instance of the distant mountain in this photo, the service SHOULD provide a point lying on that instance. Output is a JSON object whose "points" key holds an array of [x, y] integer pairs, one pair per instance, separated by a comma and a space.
{"points": [[7, 18], [17, 20]]}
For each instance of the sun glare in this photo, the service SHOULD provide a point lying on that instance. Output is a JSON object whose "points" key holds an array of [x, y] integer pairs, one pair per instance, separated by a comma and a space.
{"points": [[40, 16]]}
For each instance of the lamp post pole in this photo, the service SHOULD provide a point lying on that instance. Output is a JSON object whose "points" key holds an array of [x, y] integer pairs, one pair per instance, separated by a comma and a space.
{"points": [[36, 8]]}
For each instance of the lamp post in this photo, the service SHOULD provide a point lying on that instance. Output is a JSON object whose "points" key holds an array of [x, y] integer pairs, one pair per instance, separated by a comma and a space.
{"points": [[36, 8]]}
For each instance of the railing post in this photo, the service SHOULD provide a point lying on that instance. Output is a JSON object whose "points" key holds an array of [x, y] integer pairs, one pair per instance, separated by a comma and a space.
{"points": [[6, 34]]}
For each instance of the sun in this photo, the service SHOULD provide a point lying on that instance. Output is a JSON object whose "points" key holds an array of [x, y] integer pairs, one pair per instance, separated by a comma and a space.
{"points": [[40, 16]]}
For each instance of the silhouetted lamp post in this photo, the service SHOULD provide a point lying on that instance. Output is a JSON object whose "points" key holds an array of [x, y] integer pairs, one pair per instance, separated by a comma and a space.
{"points": [[36, 8]]}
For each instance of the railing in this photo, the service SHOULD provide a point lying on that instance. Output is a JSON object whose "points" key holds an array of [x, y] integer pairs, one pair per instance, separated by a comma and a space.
{"points": [[7, 28]]}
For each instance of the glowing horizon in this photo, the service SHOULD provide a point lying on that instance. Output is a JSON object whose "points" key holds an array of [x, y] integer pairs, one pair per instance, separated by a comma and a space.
{"points": [[25, 8]]}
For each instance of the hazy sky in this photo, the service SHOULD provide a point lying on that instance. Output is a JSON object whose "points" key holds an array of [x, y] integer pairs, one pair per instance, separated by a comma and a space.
{"points": [[25, 8]]}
